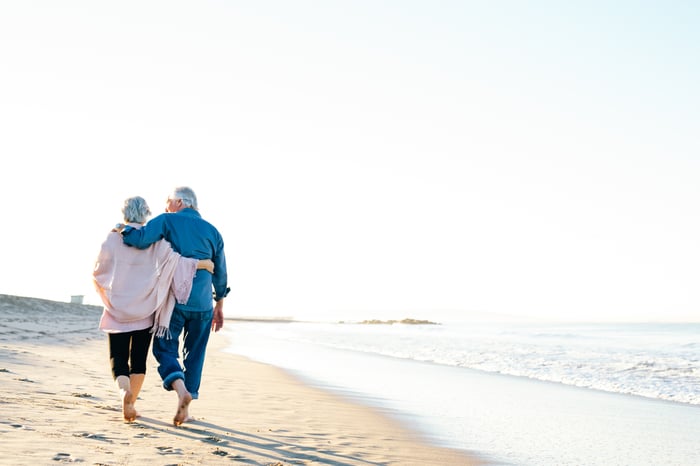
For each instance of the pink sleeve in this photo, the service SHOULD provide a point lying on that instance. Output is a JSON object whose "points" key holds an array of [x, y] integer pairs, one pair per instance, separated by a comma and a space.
{"points": [[182, 280]]}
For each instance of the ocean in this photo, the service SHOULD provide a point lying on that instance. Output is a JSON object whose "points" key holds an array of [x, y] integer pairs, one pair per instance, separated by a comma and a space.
{"points": [[514, 393]]}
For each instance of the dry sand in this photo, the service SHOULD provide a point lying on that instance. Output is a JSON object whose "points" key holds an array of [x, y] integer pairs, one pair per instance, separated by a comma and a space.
{"points": [[59, 404]]}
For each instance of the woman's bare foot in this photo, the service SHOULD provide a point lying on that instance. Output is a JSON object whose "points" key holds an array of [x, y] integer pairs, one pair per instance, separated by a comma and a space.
{"points": [[182, 414], [128, 408]]}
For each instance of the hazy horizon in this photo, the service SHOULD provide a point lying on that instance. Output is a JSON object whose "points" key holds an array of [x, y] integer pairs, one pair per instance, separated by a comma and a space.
{"points": [[438, 317]]}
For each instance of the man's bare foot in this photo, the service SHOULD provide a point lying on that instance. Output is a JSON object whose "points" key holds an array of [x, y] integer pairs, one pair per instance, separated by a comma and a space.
{"points": [[182, 414], [128, 408]]}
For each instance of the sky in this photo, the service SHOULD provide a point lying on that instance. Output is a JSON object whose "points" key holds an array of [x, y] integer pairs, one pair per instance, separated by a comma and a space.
{"points": [[366, 159]]}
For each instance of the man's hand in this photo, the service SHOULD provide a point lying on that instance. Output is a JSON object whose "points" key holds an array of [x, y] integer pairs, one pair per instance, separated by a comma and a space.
{"points": [[218, 321]]}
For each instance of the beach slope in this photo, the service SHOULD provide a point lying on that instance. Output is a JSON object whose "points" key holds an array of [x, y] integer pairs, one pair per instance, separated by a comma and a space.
{"points": [[60, 405]]}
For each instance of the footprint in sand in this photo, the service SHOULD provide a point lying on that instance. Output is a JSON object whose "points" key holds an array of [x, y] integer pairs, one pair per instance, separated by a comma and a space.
{"points": [[94, 436], [65, 458], [20, 426], [169, 451]]}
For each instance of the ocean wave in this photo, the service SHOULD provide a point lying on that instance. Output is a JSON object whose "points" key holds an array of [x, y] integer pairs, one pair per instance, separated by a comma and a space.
{"points": [[632, 362]]}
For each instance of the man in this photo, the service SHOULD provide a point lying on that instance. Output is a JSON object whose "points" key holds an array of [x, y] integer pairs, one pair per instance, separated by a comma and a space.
{"points": [[191, 236]]}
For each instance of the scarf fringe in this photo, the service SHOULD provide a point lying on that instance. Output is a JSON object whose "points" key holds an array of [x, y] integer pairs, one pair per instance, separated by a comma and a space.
{"points": [[162, 332]]}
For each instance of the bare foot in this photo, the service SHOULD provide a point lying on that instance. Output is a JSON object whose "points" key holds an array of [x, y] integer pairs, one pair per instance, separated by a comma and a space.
{"points": [[182, 414], [128, 408]]}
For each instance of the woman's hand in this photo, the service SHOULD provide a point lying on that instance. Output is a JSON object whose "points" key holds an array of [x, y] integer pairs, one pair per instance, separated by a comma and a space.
{"points": [[206, 264]]}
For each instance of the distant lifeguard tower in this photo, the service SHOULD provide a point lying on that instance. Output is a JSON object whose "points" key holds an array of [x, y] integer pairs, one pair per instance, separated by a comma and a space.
{"points": [[77, 299]]}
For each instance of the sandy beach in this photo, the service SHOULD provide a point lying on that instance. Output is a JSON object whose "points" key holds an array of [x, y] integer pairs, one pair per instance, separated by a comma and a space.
{"points": [[59, 404]]}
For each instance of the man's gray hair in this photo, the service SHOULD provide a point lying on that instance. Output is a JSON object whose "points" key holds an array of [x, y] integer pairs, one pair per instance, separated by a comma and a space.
{"points": [[135, 210], [187, 196]]}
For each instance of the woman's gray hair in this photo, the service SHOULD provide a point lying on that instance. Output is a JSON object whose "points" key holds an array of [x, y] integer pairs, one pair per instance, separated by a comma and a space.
{"points": [[187, 196], [136, 210]]}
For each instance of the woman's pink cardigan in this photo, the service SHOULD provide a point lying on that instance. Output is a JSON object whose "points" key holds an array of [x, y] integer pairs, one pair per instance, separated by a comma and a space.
{"points": [[139, 287]]}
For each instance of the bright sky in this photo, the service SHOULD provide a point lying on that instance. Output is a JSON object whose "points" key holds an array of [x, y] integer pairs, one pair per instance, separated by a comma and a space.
{"points": [[366, 159]]}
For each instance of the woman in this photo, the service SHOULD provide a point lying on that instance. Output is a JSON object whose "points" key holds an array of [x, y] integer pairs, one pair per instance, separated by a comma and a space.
{"points": [[139, 288]]}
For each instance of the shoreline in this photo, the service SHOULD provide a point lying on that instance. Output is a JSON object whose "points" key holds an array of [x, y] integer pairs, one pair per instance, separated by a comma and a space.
{"points": [[506, 418], [60, 404]]}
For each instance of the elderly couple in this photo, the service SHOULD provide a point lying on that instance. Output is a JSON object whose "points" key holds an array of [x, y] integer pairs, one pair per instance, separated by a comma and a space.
{"points": [[158, 279]]}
